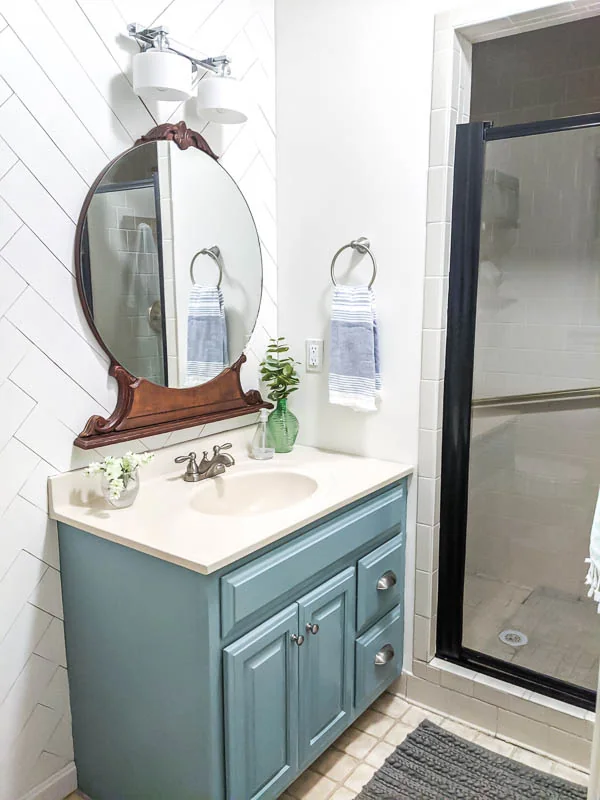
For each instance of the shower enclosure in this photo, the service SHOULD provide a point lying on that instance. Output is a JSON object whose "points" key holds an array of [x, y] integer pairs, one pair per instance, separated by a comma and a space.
{"points": [[123, 230], [521, 433]]}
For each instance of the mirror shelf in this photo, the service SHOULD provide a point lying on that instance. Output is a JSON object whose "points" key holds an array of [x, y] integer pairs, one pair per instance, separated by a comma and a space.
{"points": [[126, 290]]}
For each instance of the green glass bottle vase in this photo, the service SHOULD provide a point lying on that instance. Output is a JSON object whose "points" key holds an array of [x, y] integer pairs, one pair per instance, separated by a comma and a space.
{"points": [[283, 427]]}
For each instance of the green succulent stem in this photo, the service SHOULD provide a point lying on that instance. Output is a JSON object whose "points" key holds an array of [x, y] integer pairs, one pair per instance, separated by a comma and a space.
{"points": [[278, 371]]}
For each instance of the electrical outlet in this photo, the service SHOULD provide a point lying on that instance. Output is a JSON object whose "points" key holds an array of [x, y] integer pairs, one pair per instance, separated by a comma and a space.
{"points": [[314, 355]]}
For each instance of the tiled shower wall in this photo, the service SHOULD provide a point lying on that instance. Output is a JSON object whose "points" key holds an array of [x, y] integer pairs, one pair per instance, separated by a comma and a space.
{"points": [[455, 31], [125, 277], [67, 108], [536, 475], [542, 74], [532, 492]]}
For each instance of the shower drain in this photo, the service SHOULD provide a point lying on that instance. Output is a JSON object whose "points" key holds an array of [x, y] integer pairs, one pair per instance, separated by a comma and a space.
{"points": [[513, 638]]}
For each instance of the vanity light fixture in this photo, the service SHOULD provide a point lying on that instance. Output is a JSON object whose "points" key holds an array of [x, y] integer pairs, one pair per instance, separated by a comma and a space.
{"points": [[162, 72]]}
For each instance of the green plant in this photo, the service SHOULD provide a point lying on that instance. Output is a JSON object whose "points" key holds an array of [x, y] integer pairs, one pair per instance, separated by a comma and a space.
{"points": [[278, 371]]}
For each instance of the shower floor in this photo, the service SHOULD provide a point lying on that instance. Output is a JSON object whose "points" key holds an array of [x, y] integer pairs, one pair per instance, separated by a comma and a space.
{"points": [[563, 630]]}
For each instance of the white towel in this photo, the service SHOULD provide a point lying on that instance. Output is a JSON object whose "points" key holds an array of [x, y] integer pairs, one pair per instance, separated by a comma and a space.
{"points": [[145, 239], [207, 335], [593, 576], [354, 376]]}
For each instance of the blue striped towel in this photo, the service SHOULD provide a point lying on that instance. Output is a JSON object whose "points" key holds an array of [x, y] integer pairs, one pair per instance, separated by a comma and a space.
{"points": [[354, 373], [207, 349], [593, 576]]}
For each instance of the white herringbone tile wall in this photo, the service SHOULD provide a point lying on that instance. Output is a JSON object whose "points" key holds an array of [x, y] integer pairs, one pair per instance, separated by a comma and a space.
{"points": [[66, 108]]}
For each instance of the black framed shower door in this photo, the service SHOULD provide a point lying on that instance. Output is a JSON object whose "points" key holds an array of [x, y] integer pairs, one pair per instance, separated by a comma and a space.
{"points": [[492, 208]]}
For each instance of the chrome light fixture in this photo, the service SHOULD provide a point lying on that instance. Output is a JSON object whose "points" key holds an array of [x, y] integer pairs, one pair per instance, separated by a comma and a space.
{"points": [[163, 72]]}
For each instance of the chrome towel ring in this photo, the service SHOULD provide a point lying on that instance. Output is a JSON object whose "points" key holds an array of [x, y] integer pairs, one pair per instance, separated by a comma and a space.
{"points": [[362, 245], [211, 252]]}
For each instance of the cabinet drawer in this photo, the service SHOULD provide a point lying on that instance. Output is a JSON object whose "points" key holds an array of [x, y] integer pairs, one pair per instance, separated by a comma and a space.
{"points": [[380, 581], [379, 657], [247, 589]]}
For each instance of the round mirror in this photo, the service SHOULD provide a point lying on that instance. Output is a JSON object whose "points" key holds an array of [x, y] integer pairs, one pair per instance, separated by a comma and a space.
{"points": [[170, 268]]}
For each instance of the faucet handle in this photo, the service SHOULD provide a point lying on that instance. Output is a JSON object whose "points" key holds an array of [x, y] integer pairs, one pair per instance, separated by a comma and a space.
{"points": [[218, 447], [190, 457], [192, 472]]}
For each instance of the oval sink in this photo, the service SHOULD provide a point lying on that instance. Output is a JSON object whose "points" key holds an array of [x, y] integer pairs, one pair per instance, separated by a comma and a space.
{"points": [[249, 494]]}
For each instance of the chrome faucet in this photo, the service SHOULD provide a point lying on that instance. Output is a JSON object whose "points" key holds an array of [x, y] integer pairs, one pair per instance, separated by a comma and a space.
{"points": [[206, 468]]}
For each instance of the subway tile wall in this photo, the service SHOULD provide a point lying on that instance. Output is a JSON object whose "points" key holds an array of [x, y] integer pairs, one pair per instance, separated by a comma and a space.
{"points": [[541, 74], [66, 108], [454, 38], [534, 478]]}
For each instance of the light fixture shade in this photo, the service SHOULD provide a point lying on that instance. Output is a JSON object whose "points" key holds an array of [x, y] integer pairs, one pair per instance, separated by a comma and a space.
{"points": [[222, 100], [160, 75]]}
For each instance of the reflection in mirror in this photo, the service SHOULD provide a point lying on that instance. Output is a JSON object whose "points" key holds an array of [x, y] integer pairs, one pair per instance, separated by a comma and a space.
{"points": [[170, 265]]}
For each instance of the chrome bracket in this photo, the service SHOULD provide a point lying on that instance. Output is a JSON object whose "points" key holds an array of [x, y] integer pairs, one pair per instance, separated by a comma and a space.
{"points": [[148, 38]]}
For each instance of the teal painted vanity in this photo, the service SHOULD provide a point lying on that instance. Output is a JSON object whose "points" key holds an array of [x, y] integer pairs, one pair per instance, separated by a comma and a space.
{"points": [[227, 685]]}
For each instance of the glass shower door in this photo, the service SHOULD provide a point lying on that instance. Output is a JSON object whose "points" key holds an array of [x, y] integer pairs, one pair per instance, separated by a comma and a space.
{"points": [[529, 429], [123, 223]]}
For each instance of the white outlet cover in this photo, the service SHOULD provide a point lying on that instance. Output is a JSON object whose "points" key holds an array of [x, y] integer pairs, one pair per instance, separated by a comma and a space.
{"points": [[313, 359]]}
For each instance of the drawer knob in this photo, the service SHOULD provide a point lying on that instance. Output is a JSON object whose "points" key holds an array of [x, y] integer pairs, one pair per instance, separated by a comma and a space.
{"points": [[298, 639], [312, 627], [384, 655], [387, 580]]}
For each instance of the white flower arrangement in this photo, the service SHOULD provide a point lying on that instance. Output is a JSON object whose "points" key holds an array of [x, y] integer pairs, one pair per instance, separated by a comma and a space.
{"points": [[118, 471]]}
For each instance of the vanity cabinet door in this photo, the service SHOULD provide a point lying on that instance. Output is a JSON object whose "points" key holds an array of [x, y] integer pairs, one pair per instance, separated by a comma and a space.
{"points": [[326, 663], [261, 708]]}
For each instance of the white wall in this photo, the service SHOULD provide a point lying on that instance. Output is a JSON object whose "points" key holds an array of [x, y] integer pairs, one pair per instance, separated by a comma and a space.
{"points": [[353, 114], [66, 108], [199, 224], [353, 104]]}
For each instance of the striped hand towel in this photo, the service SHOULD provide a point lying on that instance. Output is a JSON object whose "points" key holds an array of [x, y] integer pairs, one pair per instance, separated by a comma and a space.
{"points": [[354, 376], [593, 576], [207, 348]]}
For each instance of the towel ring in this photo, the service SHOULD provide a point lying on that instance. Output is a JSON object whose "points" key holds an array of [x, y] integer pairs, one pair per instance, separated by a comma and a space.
{"points": [[211, 252], [362, 245]]}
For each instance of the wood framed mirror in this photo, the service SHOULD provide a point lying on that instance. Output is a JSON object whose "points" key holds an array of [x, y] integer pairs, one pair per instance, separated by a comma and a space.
{"points": [[169, 275]]}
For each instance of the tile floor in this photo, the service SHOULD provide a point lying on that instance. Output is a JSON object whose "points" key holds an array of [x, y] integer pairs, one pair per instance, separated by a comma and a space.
{"points": [[341, 772], [562, 630]]}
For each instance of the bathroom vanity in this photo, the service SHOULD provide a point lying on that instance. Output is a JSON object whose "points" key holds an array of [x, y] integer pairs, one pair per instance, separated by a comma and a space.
{"points": [[221, 636]]}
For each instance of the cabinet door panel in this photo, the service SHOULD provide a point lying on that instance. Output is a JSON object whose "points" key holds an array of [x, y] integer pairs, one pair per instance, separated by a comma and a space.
{"points": [[326, 663], [261, 708]]}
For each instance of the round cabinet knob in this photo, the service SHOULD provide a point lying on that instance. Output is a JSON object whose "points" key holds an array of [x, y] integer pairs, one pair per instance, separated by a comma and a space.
{"points": [[312, 627], [387, 580], [384, 655], [298, 639]]}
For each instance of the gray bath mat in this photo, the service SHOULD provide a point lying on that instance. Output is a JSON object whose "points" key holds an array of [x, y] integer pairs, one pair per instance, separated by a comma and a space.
{"points": [[433, 764]]}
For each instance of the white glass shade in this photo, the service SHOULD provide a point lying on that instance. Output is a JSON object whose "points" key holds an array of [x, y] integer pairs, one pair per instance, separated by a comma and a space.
{"points": [[222, 100], [159, 75]]}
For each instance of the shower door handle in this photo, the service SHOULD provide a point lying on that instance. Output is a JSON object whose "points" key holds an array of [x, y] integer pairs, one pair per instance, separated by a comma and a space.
{"points": [[155, 316]]}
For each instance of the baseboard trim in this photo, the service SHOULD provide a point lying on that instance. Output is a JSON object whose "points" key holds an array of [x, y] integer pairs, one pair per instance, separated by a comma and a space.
{"points": [[57, 787]]}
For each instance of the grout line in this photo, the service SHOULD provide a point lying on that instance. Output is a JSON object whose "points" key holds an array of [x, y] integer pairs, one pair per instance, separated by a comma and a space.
{"points": [[83, 389], [67, 103], [79, 333]]}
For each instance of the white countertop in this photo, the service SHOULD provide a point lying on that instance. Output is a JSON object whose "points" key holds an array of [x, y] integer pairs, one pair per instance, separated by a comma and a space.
{"points": [[166, 519]]}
